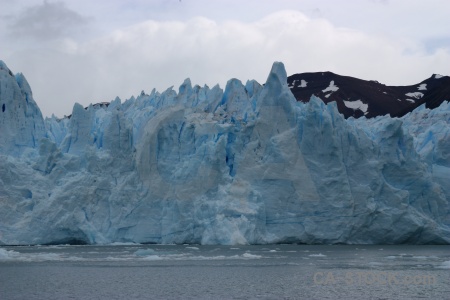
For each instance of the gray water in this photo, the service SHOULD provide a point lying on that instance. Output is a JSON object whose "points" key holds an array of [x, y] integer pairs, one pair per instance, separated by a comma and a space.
{"points": [[225, 272]]}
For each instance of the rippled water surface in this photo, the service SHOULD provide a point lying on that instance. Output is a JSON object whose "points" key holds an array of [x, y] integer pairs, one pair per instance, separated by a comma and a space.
{"points": [[225, 272]]}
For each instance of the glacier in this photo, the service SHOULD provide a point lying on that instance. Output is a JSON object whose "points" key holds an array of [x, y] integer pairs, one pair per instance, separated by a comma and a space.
{"points": [[244, 165]]}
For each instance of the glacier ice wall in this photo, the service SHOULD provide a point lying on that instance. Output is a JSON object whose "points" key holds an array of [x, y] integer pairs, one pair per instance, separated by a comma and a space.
{"points": [[21, 120], [247, 164]]}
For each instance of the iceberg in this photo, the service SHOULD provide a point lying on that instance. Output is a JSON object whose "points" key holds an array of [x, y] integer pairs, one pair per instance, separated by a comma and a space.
{"points": [[244, 165]]}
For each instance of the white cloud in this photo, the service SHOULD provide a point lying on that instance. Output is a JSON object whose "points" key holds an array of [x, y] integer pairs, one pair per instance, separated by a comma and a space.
{"points": [[49, 20], [162, 53]]}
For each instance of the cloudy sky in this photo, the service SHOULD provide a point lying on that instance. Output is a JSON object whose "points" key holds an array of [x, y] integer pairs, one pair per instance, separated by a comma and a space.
{"points": [[90, 51]]}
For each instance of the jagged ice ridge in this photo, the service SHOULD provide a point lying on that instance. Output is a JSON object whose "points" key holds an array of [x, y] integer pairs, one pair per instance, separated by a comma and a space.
{"points": [[247, 164]]}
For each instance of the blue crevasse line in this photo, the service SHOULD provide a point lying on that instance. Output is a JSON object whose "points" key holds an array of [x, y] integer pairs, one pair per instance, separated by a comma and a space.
{"points": [[218, 137], [229, 159], [181, 130]]}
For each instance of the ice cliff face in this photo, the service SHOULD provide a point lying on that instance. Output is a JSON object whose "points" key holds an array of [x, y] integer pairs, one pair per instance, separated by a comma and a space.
{"points": [[245, 165], [21, 122]]}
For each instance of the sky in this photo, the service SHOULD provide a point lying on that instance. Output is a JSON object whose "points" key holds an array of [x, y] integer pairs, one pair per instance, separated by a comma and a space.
{"points": [[92, 51]]}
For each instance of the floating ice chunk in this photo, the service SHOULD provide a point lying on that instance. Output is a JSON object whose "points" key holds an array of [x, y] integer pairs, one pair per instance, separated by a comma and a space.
{"points": [[317, 255], [145, 252], [252, 256], [152, 257], [410, 100], [8, 254], [425, 257], [445, 265], [11, 255]]}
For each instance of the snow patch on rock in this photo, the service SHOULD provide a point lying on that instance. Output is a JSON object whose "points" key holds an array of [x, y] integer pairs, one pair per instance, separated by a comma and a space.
{"points": [[331, 88], [422, 87], [358, 104], [416, 95]]}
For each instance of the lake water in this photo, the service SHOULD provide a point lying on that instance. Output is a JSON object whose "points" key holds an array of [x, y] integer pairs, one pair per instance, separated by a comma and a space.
{"points": [[225, 272]]}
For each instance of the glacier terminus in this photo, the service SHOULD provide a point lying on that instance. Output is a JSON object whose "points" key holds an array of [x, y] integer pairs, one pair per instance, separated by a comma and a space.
{"points": [[244, 165]]}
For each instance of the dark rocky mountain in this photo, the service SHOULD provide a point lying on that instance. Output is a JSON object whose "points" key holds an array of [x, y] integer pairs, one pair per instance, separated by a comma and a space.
{"points": [[357, 98]]}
